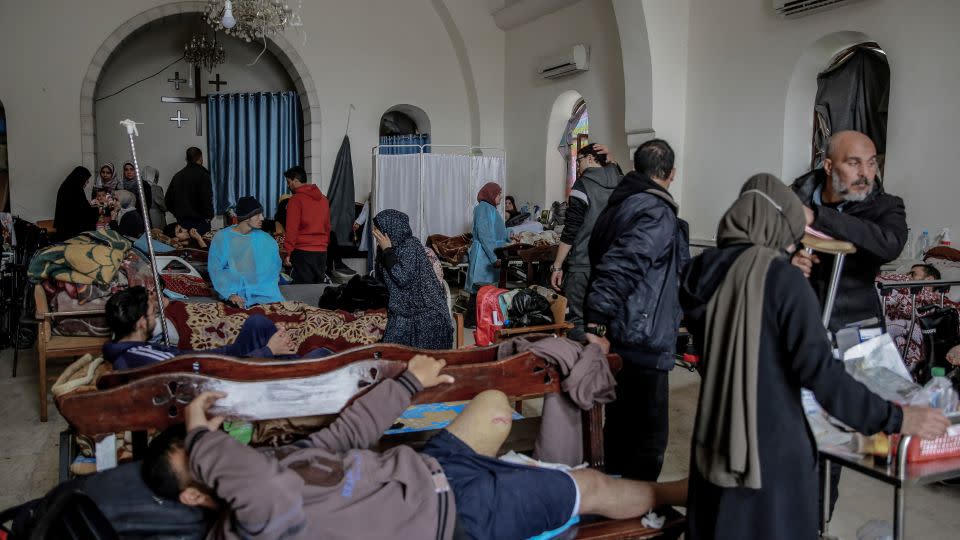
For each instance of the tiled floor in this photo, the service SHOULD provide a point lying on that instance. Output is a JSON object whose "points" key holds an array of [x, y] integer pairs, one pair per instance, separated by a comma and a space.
{"points": [[28, 459]]}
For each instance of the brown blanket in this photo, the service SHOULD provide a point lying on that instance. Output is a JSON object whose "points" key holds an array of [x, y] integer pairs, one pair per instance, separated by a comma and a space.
{"points": [[205, 326]]}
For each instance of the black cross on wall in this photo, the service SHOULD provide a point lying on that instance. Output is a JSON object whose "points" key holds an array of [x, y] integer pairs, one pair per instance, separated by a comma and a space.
{"points": [[176, 80], [217, 82]]}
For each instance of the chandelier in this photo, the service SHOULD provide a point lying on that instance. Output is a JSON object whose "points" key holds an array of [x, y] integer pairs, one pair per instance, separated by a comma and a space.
{"points": [[202, 52], [251, 20]]}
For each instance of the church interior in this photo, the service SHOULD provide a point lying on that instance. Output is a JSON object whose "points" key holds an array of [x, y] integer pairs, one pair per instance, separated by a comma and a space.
{"points": [[479, 269]]}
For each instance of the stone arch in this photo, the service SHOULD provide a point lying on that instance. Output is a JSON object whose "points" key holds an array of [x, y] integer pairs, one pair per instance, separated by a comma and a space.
{"points": [[801, 93], [284, 51]]}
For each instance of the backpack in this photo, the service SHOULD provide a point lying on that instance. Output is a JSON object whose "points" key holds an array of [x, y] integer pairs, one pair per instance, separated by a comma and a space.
{"points": [[64, 513]]}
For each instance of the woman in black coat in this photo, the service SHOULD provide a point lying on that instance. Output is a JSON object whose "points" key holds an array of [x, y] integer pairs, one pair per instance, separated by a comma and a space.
{"points": [[417, 313], [753, 470], [74, 214]]}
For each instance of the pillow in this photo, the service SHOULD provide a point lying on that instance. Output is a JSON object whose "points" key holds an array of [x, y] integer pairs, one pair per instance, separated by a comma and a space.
{"points": [[187, 285]]}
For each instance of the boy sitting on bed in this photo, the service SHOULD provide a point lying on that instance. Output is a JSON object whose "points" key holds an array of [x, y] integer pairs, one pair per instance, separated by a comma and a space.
{"points": [[333, 486], [132, 315]]}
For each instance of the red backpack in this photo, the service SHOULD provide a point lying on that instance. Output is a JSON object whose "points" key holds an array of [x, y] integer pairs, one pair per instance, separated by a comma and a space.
{"points": [[489, 316]]}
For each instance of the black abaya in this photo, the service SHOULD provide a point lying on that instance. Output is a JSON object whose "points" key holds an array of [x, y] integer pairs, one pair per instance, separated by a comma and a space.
{"points": [[794, 354], [73, 214]]}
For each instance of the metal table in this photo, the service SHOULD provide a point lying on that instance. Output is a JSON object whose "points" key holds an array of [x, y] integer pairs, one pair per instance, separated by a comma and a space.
{"points": [[898, 474]]}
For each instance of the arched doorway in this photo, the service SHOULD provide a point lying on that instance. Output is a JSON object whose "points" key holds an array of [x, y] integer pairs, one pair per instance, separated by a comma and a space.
{"points": [[853, 92], [798, 125], [284, 51], [404, 125], [563, 135]]}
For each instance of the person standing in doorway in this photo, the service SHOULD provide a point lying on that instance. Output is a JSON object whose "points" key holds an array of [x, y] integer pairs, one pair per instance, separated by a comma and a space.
{"points": [[307, 228], [190, 195], [638, 250]]}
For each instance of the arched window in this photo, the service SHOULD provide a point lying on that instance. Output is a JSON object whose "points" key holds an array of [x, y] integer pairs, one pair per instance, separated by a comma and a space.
{"points": [[853, 92], [403, 128], [4, 168], [575, 136]]}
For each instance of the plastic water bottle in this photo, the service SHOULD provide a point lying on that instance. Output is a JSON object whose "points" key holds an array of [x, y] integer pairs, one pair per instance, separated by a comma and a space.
{"points": [[923, 244], [943, 239]]}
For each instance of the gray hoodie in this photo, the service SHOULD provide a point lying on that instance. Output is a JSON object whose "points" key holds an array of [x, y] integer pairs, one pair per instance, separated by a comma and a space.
{"points": [[588, 198], [330, 485]]}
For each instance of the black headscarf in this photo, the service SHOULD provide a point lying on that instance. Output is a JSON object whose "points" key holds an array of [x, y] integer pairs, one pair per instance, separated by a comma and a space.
{"points": [[73, 214]]}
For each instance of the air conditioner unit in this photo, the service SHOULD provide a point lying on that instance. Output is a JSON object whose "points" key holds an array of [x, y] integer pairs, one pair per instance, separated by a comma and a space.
{"points": [[575, 61], [799, 8]]}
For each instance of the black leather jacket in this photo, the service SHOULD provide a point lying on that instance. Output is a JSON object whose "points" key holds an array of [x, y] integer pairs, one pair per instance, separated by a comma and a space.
{"points": [[638, 251], [877, 226]]}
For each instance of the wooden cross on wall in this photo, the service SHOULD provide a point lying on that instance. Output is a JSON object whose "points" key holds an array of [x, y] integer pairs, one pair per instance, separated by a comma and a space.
{"points": [[198, 98]]}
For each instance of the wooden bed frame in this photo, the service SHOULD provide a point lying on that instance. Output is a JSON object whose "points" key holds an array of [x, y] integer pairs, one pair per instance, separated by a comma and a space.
{"points": [[155, 397], [51, 346]]}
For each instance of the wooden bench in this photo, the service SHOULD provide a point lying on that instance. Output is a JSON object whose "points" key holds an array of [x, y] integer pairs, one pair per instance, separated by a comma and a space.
{"points": [[51, 346], [155, 397]]}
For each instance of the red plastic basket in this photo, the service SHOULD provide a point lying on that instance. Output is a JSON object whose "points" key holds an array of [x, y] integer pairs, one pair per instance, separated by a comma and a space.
{"points": [[920, 450]]}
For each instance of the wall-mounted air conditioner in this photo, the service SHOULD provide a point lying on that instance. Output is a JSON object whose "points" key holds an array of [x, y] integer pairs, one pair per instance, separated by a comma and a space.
{"points": [[800, 8], [575, 61]]}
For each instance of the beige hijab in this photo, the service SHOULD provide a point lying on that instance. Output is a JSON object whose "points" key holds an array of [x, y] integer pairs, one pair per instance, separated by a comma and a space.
{"points": [[769, 216]]}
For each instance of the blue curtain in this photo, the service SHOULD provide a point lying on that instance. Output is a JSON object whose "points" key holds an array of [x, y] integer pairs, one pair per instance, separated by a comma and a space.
{"points": [[417, 139], [251, 140]]}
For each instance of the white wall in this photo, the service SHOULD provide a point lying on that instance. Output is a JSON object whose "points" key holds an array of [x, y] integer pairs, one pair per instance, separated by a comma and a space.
{"points": [[741, 60], [530, 98], [161, 144], [371, 53]]}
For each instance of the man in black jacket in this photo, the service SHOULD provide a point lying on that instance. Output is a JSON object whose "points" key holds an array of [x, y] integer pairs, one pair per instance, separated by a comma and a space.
{"points": [[845, 200], [638, 250], [848, 203], [190, 195], [596, 181]]}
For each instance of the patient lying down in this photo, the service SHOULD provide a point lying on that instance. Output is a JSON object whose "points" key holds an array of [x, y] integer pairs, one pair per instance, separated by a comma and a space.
{"points": [[332, 485], [132, 314]]}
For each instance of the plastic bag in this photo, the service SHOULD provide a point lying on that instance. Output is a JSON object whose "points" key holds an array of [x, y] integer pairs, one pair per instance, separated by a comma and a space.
{"points": [[939, 394], [529, 308]]}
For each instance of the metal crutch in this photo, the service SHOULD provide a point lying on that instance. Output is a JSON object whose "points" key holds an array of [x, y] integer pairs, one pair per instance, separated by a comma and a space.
{"points": [[131, 131], [839, 249]]}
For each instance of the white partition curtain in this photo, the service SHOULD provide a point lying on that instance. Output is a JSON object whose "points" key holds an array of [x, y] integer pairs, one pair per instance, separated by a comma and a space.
{"points": [[437, 190]]}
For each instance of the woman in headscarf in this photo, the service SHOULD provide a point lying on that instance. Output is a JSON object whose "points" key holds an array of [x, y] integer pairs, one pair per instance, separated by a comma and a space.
{"points": [[417, 313], [489, 233], [74, 214], [107, 178], [125, 218], [244, 262], [510, 207], [129, 183], [753, 465]]}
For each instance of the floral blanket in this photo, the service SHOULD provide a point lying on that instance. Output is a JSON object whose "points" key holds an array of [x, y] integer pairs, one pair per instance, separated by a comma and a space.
{"points": [[208, 325], [898, 309], [91, 257]]}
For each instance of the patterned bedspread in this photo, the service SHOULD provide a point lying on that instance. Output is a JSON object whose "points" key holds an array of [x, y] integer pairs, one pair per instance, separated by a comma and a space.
{"points": [[898, 310], [208, 325]]}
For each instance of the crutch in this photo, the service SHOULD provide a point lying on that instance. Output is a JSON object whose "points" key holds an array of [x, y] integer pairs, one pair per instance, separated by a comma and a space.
{"points": [[131, 131], [839, 249]]}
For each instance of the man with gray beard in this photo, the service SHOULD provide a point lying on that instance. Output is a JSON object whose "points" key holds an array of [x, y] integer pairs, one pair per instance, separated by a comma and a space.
{"points": [[847, 201]]}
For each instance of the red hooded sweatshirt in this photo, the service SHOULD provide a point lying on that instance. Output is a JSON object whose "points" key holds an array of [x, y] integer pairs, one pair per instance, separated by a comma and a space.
{"points": [[308, 220]]}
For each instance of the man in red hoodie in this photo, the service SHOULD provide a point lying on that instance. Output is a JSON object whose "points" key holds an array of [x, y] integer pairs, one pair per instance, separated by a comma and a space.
{"points": [[307, 228]]}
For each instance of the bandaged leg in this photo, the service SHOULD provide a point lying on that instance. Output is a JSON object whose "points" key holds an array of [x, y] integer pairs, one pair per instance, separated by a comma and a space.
{"points": [[485, 423], [619, 498]]}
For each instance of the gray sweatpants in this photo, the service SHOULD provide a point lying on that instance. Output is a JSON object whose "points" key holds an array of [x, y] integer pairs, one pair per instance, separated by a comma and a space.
{"points": [[575, 289]]}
